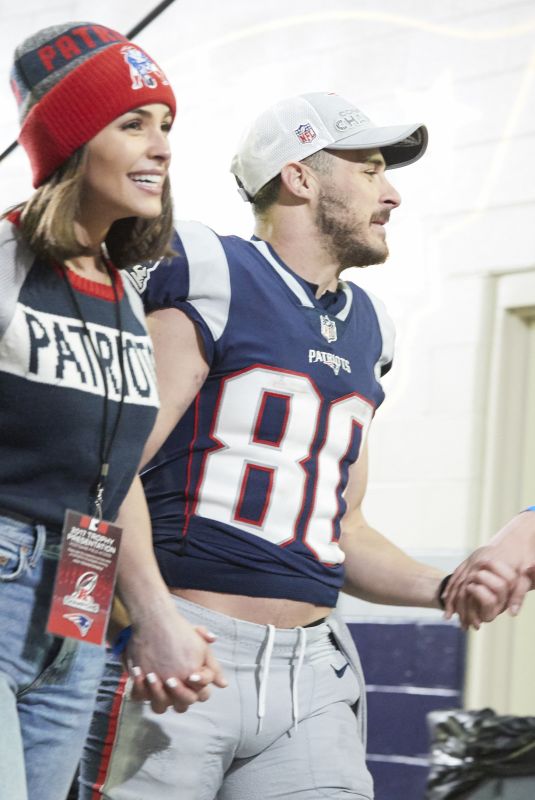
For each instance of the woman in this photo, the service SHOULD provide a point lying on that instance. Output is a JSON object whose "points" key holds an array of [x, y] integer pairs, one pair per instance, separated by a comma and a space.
{"points": [[77, 389]]}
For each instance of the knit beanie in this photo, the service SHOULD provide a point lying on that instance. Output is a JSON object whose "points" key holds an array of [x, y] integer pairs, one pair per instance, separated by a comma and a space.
{"points": [[72, 80]]}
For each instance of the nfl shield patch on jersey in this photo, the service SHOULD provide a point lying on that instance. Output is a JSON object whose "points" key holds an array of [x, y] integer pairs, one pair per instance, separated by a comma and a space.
{"points": [[328, 328]]}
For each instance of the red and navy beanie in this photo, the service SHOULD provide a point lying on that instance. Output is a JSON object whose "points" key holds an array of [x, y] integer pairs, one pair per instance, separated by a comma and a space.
{"points": [[72, 80]]}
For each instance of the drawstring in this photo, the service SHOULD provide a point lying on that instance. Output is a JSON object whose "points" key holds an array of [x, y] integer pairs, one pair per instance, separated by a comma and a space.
{"points": [[302, 643], [264, 674]]}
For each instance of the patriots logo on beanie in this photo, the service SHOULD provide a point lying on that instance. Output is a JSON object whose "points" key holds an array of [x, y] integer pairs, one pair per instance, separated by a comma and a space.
{"points": [[72, 80]]}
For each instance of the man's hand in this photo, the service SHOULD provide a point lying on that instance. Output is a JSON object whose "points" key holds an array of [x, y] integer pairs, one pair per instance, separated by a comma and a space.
{"points": [[171, 662]]}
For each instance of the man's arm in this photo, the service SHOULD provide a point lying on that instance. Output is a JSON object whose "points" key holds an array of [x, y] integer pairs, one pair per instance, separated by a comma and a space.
{"points": [[375, 569], [181, 370], [164, 645]]}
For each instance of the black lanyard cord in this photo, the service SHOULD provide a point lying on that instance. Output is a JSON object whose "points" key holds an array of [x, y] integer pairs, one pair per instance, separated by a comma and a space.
{"points": [[106, 443]]}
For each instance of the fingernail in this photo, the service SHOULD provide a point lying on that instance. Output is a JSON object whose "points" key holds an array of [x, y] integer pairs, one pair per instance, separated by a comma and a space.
{"points": [[151, 677], [194, 677], [515, 610], [211, 635], [171, 683], [137, 672]]}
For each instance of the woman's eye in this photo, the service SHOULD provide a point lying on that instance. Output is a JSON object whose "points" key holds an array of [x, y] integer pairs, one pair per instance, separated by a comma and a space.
{"points": [[133, 124]]}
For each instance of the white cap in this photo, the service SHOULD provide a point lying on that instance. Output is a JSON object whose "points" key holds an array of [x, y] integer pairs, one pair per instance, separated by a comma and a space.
{"points": [[299, 126]]}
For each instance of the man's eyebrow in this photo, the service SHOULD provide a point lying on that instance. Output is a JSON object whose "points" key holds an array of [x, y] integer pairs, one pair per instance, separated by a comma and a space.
{"points": [[375, 161]]}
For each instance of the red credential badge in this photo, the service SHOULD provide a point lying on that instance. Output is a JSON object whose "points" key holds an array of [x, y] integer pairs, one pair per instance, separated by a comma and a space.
{"points": [[85, 580]]}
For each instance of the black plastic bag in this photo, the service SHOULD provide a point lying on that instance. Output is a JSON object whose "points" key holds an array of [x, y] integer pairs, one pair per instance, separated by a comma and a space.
{"points": [[470, 747]]}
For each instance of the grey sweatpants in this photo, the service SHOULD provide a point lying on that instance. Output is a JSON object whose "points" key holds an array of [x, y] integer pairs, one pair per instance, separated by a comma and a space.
{"points": [[286, 726]]}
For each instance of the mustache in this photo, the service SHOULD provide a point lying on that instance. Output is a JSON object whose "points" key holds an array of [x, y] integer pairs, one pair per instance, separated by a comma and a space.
{"points": [[381, 218]]}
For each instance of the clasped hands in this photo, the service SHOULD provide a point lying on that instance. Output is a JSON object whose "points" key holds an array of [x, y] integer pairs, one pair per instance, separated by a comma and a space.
{"points": [[495, 577], [170, 662]]}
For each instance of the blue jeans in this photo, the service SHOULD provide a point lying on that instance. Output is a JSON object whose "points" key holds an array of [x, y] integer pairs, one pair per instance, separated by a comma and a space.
{"points": [[47, 684]]}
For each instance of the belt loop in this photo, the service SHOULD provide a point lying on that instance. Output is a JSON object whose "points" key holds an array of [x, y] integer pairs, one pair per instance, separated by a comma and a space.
{"points": [[40, 540]]}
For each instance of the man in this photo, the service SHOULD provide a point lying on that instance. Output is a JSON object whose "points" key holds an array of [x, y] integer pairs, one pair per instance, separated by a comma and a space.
{"points": [[269, 368]]}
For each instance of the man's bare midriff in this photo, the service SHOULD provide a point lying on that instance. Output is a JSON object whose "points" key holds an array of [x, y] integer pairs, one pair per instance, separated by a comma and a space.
{"points": [[261, 610]]}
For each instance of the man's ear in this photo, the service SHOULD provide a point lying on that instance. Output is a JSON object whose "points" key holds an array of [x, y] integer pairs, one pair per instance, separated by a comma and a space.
{"points": [[299, 180]]}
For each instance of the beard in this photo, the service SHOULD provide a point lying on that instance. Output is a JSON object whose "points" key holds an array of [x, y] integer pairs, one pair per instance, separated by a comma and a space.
{"points": [[347, 236]]}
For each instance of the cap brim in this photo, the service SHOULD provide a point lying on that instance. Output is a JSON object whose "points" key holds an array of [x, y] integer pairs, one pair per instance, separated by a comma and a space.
{"points": [[400, 145]]}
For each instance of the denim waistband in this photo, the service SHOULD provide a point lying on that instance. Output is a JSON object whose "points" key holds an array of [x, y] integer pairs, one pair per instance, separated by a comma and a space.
{"points": [[30, 528]]}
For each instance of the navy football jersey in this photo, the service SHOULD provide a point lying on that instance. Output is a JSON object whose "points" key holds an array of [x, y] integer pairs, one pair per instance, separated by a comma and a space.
{"points": [[246, 494]]}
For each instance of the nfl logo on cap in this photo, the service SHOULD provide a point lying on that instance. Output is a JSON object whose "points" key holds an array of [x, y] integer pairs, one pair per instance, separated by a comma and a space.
{"points": [[305, 133]]}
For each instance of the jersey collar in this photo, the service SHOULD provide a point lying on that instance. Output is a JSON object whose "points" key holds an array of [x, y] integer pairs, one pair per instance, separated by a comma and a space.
{"points": [[299, 286]]}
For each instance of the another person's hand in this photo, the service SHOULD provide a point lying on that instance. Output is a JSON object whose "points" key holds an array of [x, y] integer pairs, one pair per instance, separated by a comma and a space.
{"points": [[481, 588], [496, 576]]}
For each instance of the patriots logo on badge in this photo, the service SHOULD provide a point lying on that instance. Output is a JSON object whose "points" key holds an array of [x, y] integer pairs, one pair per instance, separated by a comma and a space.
{"points": [[328, 328], [82, 622], [305, 133]]}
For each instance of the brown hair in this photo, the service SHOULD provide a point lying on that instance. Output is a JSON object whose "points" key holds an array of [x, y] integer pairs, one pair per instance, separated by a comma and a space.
{"points": [[47, 221], [269, 193]]}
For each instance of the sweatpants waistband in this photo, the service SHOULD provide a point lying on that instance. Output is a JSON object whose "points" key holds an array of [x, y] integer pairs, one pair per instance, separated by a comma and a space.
{"points": [[251, 635], [264, 645]]}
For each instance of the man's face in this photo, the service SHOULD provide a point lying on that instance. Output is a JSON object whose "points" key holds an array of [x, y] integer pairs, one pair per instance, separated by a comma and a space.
{"points": [[353, 207]]}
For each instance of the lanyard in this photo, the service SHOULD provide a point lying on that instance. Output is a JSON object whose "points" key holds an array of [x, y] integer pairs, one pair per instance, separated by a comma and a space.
{"points": [[106, 442]]}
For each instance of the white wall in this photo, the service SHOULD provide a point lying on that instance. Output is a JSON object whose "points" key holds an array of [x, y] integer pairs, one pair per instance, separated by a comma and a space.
{"points": [[467, 69]]}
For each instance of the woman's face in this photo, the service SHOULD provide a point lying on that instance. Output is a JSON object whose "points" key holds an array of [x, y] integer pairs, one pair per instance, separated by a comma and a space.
{"points": [[127, 162]]}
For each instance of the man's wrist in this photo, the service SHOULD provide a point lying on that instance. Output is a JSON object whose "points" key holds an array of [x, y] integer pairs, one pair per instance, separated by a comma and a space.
{"points": [[146, 601], [443, 585]]}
